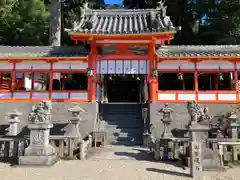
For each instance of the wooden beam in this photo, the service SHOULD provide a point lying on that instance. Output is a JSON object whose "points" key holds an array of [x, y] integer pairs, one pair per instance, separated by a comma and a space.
{"points": [[49, 59], [196, 59], [165, 35], [128, 42]]}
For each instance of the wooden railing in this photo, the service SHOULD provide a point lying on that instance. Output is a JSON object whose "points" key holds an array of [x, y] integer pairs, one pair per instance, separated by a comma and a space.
{"points": [[200, 96], [78, 95]]}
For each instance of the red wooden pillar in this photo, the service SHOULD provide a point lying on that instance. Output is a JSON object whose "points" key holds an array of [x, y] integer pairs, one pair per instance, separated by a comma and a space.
{"points": [[50, 81], [182, 81], [236, 87], [13, 83], [92, 79], [153, 81], [196, 81], [216, 81]]}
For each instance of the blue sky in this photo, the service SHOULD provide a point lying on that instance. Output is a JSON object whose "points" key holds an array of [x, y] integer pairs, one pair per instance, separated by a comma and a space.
{"points": [[113, 1]]}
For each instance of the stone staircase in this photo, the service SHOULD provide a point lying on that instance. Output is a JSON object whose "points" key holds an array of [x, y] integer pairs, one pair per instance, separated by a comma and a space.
{"points": [[123, 123]]}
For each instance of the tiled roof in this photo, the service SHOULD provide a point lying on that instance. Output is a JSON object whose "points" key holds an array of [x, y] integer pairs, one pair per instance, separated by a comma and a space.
{"points": [[41, 51], [198, 51], [123, 21]]}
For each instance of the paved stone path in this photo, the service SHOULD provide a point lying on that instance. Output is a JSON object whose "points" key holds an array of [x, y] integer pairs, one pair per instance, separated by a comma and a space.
{"points": [[110, 164]]}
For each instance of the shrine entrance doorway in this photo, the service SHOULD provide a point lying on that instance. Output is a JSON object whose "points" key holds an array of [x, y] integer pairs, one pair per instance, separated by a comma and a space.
{"points": [[124, 88]]}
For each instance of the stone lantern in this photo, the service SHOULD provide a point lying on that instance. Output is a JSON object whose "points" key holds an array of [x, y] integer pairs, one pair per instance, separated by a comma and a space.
{"points": [[40, 152], [234, 125], [166, 118], [75, 120], [13, 120]]}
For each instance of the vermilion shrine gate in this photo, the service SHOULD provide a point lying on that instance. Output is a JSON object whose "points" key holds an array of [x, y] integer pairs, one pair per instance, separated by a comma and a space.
{"points": [[121, 56], [122, 42]]}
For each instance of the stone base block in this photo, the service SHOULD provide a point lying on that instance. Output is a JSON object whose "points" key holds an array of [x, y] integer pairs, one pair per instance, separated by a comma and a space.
{"points": [[211, 165], [38, 160]]}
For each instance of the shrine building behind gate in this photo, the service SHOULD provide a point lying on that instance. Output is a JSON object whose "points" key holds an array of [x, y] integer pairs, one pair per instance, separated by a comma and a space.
{"points": [[121, 57]]}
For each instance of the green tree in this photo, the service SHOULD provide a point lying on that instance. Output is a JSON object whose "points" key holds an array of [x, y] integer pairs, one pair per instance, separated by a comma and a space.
{"points": [[23, 22], [226, 23]]}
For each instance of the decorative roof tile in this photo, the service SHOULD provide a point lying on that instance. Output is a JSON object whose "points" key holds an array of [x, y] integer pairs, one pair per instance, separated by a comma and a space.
{"points": [[198, 51], [124, 21], [41, 51]]}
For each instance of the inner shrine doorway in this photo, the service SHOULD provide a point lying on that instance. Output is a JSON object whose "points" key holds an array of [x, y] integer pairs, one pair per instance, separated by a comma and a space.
{"points": [[124, 88], [123, 80]]}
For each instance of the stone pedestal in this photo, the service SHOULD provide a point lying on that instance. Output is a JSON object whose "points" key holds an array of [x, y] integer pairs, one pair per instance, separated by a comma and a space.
{"points": [[39, 152]]}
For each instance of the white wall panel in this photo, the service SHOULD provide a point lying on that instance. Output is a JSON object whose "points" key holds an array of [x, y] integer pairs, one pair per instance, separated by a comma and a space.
{"points": [[216, 64], [175, 64], [122, 66], [6, 65]]}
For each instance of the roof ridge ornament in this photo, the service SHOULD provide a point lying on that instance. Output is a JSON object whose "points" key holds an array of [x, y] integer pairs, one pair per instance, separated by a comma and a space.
{"points": [[85, 8], [161, 4], [85, 5]]}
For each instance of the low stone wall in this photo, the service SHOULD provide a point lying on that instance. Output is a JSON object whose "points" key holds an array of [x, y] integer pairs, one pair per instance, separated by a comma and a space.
{"points": [[60, 115], [181, 116]]}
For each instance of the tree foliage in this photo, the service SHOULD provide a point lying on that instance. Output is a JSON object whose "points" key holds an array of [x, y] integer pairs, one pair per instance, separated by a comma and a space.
{"points": [[23, 22], [202, 21]]}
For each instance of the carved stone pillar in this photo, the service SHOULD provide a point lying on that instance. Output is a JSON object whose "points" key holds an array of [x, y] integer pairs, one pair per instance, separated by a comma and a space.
{"points": [[196, 162], [39, 152]]}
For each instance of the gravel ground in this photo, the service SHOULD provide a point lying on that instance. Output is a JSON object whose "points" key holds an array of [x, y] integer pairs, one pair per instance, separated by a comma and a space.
{"points": [[108, 170], [109, 165]]}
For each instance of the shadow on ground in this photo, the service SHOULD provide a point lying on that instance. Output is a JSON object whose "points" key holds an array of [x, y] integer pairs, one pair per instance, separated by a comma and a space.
{"points": [[12, 161], [168, 172], [141, 155], [146, 155]]}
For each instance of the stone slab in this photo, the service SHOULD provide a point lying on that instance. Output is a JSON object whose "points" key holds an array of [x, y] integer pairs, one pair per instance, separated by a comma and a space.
{"points": [[37, 160]]}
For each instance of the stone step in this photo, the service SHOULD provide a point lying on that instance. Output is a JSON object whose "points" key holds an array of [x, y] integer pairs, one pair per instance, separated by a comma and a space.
{"points": [[122, 105], [124, 139], [126, 143], [123, 121], [134, 114], [117, 130], [125, 134], [121, 117], [127, 108], [123, 126]]}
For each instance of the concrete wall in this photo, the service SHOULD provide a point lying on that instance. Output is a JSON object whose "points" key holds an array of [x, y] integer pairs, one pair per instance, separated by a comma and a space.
{"points": [[181, 116], [60, 115]]}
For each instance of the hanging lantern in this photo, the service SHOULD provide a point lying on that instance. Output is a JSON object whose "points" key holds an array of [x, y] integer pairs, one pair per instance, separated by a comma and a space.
{"points": [[220, 76], [89, 72], [154, 72], [180, 76]]}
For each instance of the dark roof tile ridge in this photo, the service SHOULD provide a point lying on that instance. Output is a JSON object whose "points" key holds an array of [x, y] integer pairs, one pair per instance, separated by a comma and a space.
{"points": [[124, 10], [198, 46], [7, 46]]}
